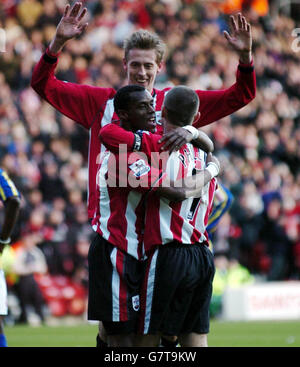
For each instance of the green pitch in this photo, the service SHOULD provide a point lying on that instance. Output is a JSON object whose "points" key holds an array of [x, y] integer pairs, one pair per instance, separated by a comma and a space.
{"points": [[222, 334]]}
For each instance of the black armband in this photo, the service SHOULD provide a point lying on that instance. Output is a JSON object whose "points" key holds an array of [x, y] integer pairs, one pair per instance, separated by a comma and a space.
{"points": [[49, 59], [246, 68]]}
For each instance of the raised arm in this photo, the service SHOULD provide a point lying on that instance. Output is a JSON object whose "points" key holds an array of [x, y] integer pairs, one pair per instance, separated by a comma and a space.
{"points": [[81, 103], [215, 105]]}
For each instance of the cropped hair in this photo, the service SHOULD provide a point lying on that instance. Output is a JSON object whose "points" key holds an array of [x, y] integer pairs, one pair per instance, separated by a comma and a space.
{"points": [[122, 98], [145, 40], [182, 104]]}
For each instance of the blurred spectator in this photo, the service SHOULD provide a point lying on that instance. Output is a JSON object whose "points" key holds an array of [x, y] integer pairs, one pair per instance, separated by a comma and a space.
{"points": [[278, 245], [229, 273], [29, 260], [81, 248], [51, 185]]}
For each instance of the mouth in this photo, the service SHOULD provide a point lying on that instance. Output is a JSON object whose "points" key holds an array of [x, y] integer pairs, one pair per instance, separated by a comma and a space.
{"points": [[142, 82], [152, 122]]}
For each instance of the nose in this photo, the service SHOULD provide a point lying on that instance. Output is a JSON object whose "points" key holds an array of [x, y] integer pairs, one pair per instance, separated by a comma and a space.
{"points": [[142, 70], [151, 108]]}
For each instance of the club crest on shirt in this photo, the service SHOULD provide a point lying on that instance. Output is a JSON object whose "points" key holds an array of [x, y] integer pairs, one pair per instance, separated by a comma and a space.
{"points": [[198, 163], [136, 303], [139, 168]]}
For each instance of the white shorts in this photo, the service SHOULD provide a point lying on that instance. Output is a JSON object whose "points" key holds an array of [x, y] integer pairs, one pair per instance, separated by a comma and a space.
{"points": [[3, 294]]}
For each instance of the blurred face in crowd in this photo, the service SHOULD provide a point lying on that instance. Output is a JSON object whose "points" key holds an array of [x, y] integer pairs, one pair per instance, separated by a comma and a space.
{"points": [[141, 68]]}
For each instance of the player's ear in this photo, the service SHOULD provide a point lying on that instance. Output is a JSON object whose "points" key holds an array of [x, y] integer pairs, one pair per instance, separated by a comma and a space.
{"points": [[196, 117], [123, 115], [160, 66], [125, 64]]}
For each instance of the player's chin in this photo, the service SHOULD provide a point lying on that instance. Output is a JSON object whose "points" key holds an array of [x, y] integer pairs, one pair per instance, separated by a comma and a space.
{"points": [[145, 85], [152, 128]]}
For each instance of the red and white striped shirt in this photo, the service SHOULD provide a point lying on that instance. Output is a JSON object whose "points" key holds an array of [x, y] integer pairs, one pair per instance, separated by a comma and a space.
{"points": [[184, 221], [123, 180]]}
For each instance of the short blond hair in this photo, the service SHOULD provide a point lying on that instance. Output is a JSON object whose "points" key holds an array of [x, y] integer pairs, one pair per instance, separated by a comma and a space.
{"points": [[145, 40]]}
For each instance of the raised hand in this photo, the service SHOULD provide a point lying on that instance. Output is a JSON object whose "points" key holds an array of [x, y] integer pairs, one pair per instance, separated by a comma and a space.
{"points": [[70, 26], [240, 37]]}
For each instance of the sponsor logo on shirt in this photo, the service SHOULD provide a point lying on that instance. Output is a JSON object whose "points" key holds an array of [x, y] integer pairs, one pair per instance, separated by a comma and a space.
{"points": [[136, 303], [139, 168]]}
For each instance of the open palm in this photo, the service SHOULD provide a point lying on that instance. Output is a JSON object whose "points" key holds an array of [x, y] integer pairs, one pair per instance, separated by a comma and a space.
{"points": [[240, 37], [71, 24]]}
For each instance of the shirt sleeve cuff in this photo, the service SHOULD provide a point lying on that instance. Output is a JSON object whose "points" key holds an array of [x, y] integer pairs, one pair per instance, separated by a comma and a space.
{"points": [[246, 68], [50, 57]]}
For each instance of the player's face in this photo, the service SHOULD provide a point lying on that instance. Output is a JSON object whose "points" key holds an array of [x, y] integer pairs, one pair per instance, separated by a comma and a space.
{"points": [[141, 113], [141, 68]]}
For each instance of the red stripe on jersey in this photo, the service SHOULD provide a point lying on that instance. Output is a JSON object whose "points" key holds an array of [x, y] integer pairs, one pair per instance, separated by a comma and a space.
{"points": [[117, 223], [152, 221], [123, 288], [159, 96], [176, 222]]}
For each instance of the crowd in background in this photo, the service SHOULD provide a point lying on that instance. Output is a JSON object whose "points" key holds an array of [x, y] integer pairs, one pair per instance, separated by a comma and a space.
{"points": [[45, 153]]}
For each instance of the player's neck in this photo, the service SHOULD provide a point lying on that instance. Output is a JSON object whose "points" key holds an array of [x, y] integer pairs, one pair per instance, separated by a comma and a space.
{"points": [[168, 126], [126, 126]]}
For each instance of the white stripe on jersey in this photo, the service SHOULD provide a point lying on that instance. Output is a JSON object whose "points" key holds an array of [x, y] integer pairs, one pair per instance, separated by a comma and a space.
{"points": [[107, 119], [172, 167], [186, 234], [115, 287], [165, 217], [150, 290], [199, 223], [108, 113], [132, 245], [188, 230], [104, 200]]}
